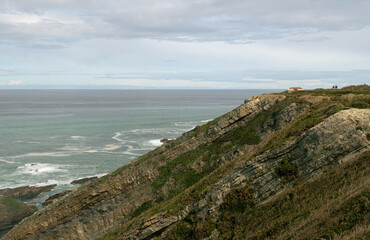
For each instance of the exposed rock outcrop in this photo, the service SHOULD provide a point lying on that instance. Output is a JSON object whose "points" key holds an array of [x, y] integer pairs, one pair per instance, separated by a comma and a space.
{"points": [[334, 141], [25, 192], [55, 197], [84, 180]]}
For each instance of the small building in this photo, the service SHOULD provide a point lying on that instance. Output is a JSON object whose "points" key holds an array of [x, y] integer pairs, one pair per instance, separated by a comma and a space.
{"points": [[292, 89]]}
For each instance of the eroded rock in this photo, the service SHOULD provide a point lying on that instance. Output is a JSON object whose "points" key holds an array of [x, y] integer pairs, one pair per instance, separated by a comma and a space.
{"points": [[55, 197]]}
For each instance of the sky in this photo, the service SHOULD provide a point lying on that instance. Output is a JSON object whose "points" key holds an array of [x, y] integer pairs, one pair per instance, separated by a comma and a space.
{"points": [[184, 44]]}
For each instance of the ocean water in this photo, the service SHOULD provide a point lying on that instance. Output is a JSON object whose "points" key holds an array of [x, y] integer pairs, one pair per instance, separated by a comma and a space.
{"points": [[57, 136]]}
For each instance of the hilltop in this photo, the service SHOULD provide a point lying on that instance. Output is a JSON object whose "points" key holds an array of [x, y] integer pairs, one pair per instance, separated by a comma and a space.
{"points": [[279, 166]]}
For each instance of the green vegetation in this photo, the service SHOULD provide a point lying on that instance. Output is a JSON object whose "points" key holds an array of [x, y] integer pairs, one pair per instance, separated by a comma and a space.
{"points": [[145, 206], [359, 128], [192, 227], [238, 200], [178, 169], [178, 164], [312, 114], [202, 128], [10, 204], [286, 171], [356, 90], [207, 153], [311, 210]]}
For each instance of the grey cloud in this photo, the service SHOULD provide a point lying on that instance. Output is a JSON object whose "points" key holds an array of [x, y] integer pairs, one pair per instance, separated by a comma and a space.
{"points": [[253, 76], [211, 20]]}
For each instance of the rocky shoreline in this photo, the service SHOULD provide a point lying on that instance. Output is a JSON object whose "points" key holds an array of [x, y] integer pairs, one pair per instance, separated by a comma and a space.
{"points": [[13, 202], [25, 192]]}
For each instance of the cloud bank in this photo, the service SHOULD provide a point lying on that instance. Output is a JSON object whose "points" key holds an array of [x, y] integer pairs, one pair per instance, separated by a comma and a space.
{"points": [[210, 20], [77, 38]]}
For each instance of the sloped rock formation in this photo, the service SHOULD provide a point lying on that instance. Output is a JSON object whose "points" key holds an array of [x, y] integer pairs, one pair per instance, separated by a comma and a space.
{"points": [[84, 180], [334, 141], [55, 197]]}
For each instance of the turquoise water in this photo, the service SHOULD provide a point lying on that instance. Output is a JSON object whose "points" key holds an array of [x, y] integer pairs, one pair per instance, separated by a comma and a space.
{"points": [[56, 136]]}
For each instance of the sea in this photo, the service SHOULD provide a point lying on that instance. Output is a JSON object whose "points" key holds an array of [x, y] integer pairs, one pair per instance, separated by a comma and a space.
{"points": [[57, 136]]}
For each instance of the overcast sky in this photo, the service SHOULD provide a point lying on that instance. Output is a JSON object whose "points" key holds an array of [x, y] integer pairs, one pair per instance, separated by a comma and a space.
{"points": [[184, 43]]}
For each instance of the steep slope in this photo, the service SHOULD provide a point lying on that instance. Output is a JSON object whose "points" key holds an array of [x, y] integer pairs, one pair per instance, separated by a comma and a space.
{"points": [[262, 148], [334, 141]]}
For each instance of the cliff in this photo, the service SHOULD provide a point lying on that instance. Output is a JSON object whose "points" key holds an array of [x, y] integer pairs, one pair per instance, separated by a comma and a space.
{"points": [[221, 175]]}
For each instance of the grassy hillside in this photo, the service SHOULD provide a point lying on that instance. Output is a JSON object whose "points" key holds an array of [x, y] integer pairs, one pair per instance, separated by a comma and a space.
{"points": [[334, 206]]}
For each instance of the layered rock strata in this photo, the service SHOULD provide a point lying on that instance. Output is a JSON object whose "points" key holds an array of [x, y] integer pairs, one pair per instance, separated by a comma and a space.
{"points": [[336, 140]]}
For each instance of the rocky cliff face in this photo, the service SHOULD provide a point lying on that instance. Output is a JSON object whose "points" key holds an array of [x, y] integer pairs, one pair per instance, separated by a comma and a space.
{"points": [[267, 144], [333, 141]]}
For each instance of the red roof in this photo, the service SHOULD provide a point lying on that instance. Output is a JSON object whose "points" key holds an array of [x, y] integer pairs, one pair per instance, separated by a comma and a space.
{"points": [[295, 88]]}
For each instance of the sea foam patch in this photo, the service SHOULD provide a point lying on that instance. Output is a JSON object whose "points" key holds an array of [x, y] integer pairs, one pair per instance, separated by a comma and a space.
{"points": [[6, 161], [77, 137], [111, 147], [40, 168], [45, 154], [156, 142]]}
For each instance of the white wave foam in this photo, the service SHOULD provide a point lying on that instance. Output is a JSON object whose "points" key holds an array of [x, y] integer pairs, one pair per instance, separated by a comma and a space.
{"points": [[91, 151], [205, 121], [184, 124], [45, 154], [40, 168], [77, 137], [156, 142], [49, 182], [6, 161], [111, 147], [100, 175], [37, 184], [72, 149], [117, 137], [75, 149]]}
